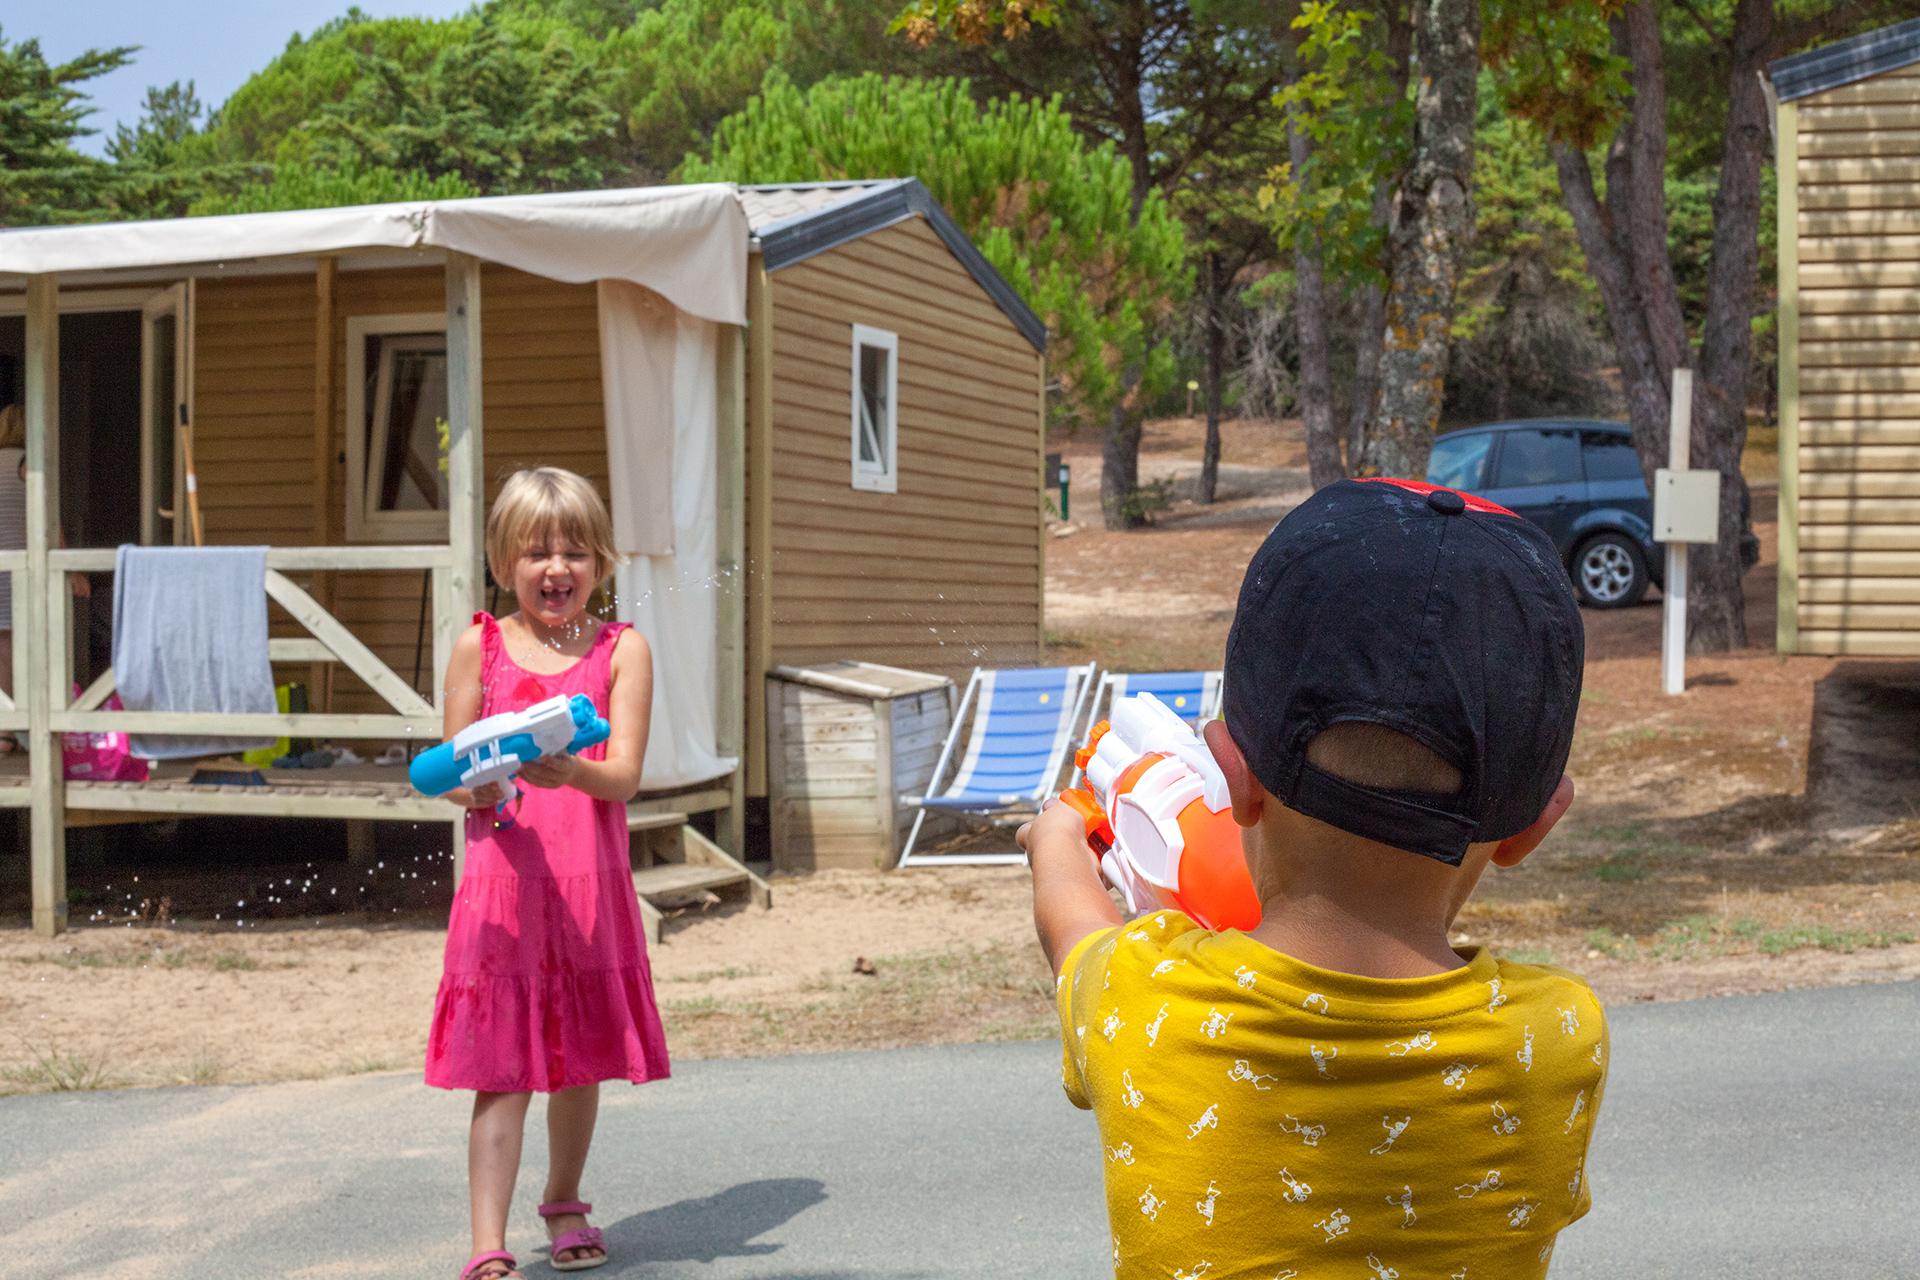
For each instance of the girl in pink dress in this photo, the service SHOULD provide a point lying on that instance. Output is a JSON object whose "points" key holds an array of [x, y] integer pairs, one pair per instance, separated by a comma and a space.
{"points": [[546, 987]]}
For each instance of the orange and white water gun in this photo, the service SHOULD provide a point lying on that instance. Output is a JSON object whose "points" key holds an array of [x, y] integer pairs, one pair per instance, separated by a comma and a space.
{"points": [[1156, 810]]}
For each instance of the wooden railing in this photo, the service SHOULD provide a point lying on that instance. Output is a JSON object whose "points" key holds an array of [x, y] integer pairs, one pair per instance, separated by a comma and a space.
{"points": [[329, 640]]}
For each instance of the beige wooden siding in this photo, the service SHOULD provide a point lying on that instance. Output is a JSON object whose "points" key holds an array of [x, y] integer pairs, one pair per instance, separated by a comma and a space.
{"points": [[1858, 393], [946, 573], [254, 400]]}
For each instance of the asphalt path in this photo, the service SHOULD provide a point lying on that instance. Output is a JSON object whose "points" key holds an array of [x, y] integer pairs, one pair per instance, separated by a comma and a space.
{"points": [[1746, 1137]]}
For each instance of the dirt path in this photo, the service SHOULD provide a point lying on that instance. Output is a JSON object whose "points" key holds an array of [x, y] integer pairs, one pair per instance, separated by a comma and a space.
{"points": [[1692, 864]]}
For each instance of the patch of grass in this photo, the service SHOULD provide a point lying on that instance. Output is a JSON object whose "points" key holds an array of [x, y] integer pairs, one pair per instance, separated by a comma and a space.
{"points": [[367, 1064], [174, 958], [1779, 941], [54, 1070], [727, 974], [1698, 936], [204, 1067], [231, 962], [1628, 865], [703, 1007], [1530, 955], [1608, 943]]}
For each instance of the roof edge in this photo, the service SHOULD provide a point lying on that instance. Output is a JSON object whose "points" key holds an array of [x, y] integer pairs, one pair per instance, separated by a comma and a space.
{"points": [[804, 235], [1845, 61]]}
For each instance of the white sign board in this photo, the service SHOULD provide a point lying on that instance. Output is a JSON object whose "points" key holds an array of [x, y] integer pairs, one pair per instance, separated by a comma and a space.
{"points": [[1686, 506]]}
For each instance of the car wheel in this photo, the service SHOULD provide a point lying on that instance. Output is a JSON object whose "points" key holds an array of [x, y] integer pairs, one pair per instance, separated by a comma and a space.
{"points": [[1609, 572]]}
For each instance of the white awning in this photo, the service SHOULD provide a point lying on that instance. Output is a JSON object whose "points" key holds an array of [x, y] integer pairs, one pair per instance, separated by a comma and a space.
{"points": [[687, 244]]}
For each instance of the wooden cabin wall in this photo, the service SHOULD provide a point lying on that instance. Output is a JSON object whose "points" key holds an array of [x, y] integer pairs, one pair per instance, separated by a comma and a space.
{"points": [[945, 574], [1851, 401], [255, 358]]}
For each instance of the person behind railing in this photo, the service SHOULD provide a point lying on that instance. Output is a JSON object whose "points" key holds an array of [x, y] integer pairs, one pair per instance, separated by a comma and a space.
{"points": [[13, 537], [546, 987]]}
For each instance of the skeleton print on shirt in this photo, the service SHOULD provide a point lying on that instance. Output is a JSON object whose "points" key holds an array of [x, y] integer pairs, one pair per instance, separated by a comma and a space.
{"points": [[1405, 1201], [1334, 1224], [1150, 1203], [1165, 967], [1110, 1025], [1504, 1122], [1153, 1028], [1579, 1108], [1381, 1270], [1215, 1024], [1455, 1076], [1321, 1057], [1525, 1053], [1310, 1134], [1495, 998], [1209, 1119], [1316, 1003], [1569, 1022], [1244, 977], [1521, 1214], [1394, 1129], [1297, 1191], [1242, 1070], [1200, 1269], [1468, 1190], [1122, 1153], [1423, 1041], [1131, 1096], [1206, 1206]]}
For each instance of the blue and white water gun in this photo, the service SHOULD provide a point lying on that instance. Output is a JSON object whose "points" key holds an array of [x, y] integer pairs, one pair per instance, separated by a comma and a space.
{"points": [[494, 749]]}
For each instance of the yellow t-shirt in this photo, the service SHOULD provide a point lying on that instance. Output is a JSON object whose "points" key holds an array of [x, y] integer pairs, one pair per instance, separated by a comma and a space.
{"points": [[1263, 1118]]}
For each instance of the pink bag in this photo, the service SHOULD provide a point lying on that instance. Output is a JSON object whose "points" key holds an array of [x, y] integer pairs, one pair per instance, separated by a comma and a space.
{"points": [[100, 757]]}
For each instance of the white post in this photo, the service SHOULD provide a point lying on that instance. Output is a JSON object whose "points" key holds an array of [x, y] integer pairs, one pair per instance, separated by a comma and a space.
{"points": [[1673, 646], [47, 792], [466, 475]]}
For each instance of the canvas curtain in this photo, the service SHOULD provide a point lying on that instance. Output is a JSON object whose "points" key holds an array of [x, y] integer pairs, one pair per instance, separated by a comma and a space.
{"points": [[659, 368]]}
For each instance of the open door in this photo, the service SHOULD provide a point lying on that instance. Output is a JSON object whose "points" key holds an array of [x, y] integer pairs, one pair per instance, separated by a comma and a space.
{"points": [[163, 412]]}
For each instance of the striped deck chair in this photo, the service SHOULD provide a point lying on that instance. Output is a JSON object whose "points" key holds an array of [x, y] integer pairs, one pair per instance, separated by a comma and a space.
{"points": [[1194, 696], [1017, 739]]}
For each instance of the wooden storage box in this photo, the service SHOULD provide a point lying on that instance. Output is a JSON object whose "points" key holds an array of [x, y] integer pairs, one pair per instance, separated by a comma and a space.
{"points": [[845, 740]]}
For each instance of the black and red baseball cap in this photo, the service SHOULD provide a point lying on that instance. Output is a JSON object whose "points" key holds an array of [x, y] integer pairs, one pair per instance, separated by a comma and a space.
{"points": [[1424, 610]]}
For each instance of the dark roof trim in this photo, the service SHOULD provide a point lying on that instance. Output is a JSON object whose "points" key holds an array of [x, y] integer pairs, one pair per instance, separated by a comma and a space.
{"points": [[1846, 61], [800, 237]]}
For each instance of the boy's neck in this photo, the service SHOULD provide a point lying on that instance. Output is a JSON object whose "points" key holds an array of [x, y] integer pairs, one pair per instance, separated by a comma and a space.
{"points": [[1336, 902], [1330, 934]]}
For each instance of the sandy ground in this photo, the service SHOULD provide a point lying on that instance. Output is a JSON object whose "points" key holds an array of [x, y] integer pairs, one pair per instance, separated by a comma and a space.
{"points": [[1694, 863]]}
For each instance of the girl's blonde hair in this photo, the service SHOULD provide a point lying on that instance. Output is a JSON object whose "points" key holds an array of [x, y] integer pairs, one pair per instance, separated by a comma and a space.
{"points": [[13, 427], [542, 501]]}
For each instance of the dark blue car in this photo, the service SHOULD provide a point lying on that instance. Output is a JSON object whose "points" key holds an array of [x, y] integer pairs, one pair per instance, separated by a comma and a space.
{"points": [[1577, 479]]}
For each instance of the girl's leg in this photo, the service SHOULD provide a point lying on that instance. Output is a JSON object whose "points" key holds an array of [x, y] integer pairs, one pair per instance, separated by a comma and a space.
{"points": [[571, 1114], [493, 1162], [7, 742]]}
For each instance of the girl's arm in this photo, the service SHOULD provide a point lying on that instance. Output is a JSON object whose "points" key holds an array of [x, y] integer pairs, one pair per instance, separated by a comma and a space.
{"points": [[463, 697], [629, 713]]}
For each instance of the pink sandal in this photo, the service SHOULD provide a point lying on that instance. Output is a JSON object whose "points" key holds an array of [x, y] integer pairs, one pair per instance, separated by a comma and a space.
{"points": [[583, 1238], [479, 1260]]}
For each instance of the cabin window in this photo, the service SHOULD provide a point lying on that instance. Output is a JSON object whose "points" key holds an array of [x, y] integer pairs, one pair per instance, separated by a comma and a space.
{"points": [[396, 416], [876, 412]]}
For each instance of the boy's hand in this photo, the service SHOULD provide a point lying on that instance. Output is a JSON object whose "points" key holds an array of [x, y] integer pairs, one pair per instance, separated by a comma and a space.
{"points": [[1058, 829], [548, 772]]}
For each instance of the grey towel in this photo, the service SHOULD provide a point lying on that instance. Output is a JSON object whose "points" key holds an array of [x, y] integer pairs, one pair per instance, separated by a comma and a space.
{"points": [[190, 634]]}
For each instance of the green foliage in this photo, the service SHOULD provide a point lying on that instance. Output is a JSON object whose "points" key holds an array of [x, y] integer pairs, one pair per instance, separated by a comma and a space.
{"points": [[301, 185], [1343, 99], [42, 106], [1557, 65], [513, 107], [163, 164], [1051, 213], [1526, 332]]}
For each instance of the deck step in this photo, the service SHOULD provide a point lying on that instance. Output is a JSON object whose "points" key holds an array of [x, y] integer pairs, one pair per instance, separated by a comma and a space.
{"points": [[671, 878], [653, 821]]}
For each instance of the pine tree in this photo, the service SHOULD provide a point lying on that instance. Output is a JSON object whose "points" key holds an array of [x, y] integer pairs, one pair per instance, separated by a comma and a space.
{"points": [[43, 179]]}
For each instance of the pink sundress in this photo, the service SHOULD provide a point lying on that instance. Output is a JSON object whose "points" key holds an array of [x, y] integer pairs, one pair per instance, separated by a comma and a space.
{"points": [[546, 984]]}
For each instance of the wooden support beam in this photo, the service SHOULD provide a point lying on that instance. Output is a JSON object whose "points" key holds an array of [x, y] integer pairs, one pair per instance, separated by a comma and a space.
{"points": [[320, 677], [1787, 177], [348, 647], [730, 556], [466, 465], [48, 838], [759, 530]]}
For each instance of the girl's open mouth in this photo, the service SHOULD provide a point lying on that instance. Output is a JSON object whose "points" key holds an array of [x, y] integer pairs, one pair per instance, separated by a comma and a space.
{"points": [[556, 599]]}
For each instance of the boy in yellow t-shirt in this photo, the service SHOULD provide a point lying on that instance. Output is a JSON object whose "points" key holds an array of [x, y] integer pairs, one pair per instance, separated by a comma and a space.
{"points": [[1340, 1092]]}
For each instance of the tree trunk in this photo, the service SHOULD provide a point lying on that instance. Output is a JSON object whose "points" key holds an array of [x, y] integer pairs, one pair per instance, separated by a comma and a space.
{"points": [[1216, 285], [1120, 462], [1373, 297], [1432, 227], [1717, 623], [1626, 251], [1310, 322]]}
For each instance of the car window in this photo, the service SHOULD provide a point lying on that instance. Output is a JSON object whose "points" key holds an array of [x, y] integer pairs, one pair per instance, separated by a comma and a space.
{"points": [[1609, 455], [1539, 456], [1460, 461]]}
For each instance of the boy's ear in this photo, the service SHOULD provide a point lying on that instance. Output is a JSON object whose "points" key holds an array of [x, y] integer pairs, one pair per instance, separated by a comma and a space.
{"points": [[1247, 795], [1514, 849]]}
